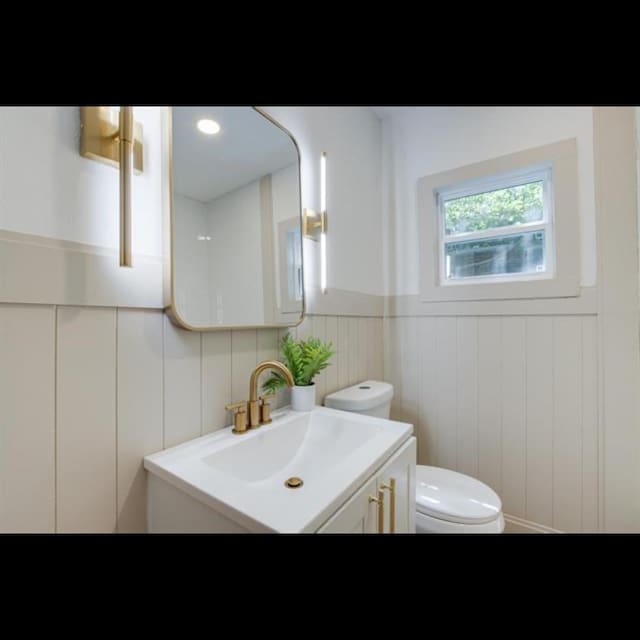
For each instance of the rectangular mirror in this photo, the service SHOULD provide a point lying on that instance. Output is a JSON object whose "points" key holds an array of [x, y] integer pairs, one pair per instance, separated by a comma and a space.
{"points": [[235, 220]]}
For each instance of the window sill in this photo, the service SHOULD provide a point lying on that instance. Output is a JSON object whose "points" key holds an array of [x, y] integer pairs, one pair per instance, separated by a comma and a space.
{"points": [[511, 290], [585, 303]]}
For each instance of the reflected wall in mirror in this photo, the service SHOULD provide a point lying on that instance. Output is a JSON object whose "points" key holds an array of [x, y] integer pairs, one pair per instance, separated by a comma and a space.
{"points": [[236, 258]]}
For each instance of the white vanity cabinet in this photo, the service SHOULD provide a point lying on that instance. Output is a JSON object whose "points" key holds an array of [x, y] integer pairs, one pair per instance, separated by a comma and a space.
{"points": [[393, 487]]}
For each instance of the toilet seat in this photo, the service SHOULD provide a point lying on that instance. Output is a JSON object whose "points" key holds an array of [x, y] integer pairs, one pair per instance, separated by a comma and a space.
{"points": [[454, 497]]}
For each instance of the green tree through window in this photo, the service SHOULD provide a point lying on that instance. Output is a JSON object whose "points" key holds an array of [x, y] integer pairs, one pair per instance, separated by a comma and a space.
{"points": [[493, 209]]}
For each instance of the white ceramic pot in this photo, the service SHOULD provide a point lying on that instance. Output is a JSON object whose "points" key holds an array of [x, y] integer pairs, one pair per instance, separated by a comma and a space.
{"points": [[303, 398]]}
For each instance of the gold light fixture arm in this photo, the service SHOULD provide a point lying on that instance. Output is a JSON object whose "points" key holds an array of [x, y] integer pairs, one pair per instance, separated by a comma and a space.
{"points": [[126, 168]]}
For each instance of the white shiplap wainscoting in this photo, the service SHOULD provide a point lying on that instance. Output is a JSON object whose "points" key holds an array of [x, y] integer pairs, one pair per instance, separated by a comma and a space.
{"points": [[87, 392], [511, 400]]}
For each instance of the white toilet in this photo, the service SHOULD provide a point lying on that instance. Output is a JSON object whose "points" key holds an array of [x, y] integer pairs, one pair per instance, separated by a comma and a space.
{"points": [[446, 501]]}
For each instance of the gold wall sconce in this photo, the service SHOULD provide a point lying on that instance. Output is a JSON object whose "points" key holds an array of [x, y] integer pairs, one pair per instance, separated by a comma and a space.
{"points": [[113, 138], [314, 224]]}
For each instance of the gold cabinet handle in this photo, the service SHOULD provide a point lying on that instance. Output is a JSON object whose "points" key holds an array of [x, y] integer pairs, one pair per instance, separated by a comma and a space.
{"points": [[392, 503], [380, 502], [126, 168]]}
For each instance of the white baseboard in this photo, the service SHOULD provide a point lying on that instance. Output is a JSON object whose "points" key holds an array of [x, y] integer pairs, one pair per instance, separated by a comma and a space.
{"points": [[513, 524]]}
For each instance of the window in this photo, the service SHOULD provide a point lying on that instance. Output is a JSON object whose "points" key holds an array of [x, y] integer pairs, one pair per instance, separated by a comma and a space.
{"points": [[505, 228], [497, 229]]}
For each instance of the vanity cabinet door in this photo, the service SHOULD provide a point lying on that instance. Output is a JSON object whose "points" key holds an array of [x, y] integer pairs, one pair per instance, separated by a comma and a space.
{"points": [[358, 515], [397, 480]]}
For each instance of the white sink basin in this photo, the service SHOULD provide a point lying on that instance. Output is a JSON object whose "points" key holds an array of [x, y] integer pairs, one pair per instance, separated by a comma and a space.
{"points": [[243, 476]]}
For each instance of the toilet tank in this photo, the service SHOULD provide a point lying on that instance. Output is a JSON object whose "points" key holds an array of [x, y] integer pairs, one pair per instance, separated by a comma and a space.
{"points": [[370, 398]]}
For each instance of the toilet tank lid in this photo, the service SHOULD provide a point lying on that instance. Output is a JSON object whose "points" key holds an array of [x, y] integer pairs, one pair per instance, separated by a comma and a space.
{"points": [[361, 397]]}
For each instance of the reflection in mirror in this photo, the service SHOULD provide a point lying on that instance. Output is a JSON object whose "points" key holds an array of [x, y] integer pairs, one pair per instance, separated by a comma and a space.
{"points": [[236, 220], [290, 256]]}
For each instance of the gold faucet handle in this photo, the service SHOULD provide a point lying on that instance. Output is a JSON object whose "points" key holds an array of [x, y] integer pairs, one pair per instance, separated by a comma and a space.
{"points": [[239, 416], [265, 408]]}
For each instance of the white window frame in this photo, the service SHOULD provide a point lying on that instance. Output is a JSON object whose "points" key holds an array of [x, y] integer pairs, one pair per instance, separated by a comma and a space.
{"points": [[562, 278], [539, 173]]}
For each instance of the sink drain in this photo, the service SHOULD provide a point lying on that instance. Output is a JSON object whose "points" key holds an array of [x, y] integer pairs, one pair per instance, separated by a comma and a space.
{"points": [[293, 483]]}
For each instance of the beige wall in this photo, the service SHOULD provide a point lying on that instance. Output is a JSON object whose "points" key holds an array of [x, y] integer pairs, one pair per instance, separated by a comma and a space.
{"points": [[351, 138], [539, 398], [511, 400], [87, 392]]}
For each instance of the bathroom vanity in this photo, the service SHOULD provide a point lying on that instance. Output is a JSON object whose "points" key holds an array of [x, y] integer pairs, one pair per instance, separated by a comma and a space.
{"points": [[324, 471]]}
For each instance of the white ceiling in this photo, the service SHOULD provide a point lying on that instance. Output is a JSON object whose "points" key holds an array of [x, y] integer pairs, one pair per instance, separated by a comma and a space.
{"points": [[385, 112], [247, 147]]}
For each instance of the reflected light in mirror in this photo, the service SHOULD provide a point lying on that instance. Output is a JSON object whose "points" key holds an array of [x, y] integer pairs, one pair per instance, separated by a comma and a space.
{"points": [[323, 213], [210, 127]]}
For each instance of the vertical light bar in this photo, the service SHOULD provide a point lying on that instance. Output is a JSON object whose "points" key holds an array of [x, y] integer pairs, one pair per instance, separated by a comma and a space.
{"points": [[323, 219]]}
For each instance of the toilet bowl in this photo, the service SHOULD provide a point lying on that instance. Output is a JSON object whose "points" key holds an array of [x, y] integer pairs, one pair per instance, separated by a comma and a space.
{"points": [[446, 501]]}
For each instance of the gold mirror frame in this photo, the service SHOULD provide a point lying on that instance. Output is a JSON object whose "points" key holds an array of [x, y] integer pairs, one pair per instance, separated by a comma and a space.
{"points": [[170, 308]]}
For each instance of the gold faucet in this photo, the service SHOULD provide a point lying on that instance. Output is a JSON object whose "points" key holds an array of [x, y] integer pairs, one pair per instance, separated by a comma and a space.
{"points": [[254, 402], [257, 408]]}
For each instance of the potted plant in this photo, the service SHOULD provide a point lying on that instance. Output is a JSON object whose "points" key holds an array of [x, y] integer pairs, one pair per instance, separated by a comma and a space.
{"points": [[305, 359]]}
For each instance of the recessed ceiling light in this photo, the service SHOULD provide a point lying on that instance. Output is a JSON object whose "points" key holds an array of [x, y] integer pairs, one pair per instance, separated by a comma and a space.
{"points": [[210, 127]]}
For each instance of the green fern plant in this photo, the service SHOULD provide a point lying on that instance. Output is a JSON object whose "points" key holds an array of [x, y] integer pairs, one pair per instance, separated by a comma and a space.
{"points": [[304, 358]]}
